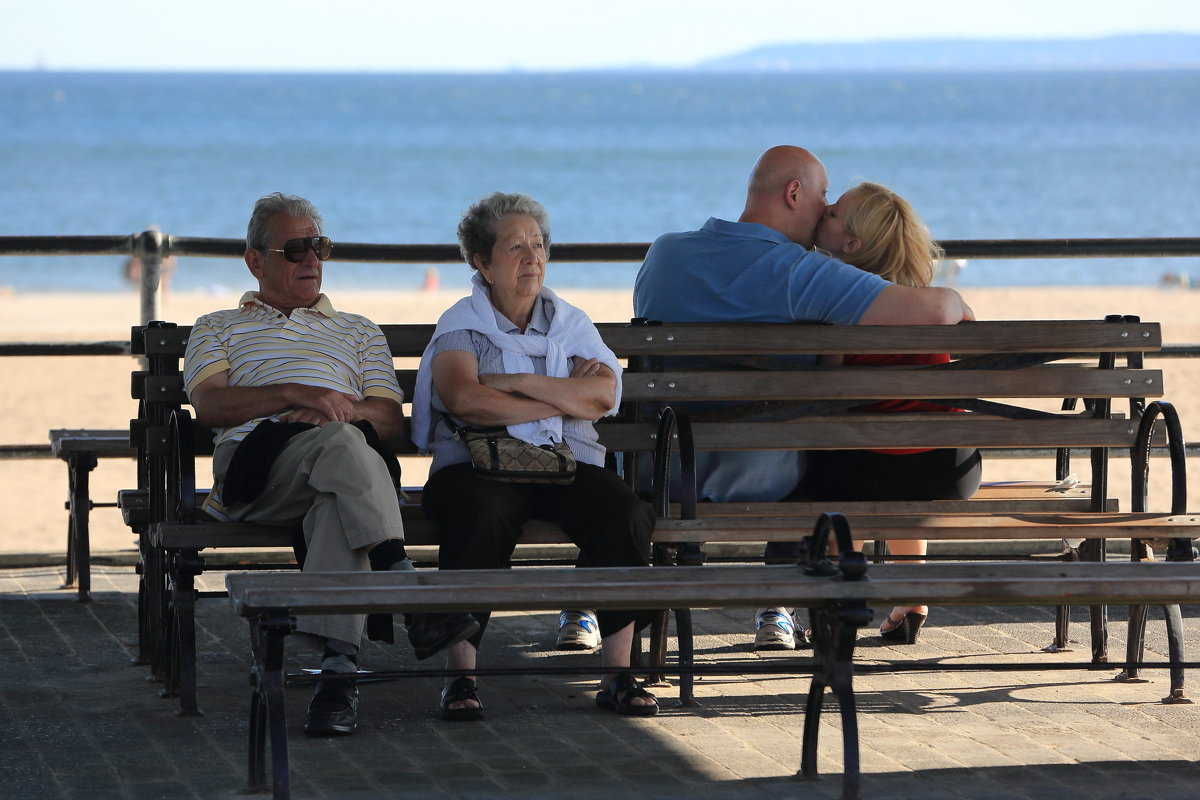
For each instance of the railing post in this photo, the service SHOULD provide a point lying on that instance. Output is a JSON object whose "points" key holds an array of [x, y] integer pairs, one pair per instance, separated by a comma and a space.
{"points": [[148, 248]]}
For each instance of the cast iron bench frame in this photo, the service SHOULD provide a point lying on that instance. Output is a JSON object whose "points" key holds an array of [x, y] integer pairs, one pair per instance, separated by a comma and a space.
{"points": [[837, 597]]}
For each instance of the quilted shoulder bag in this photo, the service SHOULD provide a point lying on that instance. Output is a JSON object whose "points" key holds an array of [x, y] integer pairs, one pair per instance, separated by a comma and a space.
{"points": [[499, 456]]}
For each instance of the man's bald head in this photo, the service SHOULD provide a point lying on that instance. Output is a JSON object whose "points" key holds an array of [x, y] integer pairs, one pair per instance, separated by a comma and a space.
{"points": [[787, 192]]}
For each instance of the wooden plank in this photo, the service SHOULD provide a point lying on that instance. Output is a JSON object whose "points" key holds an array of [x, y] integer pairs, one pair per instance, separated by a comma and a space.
{"points": [[863, 431], [975, 505], [1008, 336], [1032, 526], [876, 383], [997, 490], [408, 340], [101, 443], [1051, 336], [164, 342], [550, 589], [755, 522], [418, 531]]}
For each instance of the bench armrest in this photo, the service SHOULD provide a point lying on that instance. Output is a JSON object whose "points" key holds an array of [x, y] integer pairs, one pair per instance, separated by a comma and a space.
{"points": [[180, 502], [674, 425], [1177, 549]]}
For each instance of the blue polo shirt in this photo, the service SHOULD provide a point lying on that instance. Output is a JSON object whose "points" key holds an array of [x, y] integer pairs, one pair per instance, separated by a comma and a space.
{"points": [[746, 272]]}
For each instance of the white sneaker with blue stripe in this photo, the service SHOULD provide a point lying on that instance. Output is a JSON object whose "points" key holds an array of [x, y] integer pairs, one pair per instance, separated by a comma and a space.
{"points": [[775, 629], [578, 630]]}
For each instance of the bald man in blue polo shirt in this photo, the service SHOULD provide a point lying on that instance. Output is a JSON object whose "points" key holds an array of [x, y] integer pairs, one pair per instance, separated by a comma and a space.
{"points": [[762, 268]]}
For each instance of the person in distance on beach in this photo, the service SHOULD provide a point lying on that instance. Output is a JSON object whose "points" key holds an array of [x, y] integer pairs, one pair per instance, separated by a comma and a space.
{"points": [[298, 435], [515, 355], [762, 268], [874, 229]]}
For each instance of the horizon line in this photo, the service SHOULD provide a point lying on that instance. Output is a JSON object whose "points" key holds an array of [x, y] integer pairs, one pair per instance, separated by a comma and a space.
{"points": [[707, 64]]}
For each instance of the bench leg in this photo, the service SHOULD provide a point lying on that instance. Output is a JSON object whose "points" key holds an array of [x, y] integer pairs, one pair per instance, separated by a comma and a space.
{"points": [[687, 656], [156, 610], [266, 705], [666, 555], [79, 566], [1136, 649], [657, 656], [256, 780], [834, 630], [1134, 645], [1093, 550], [1099, 628], [1062, 614], [1175, 651], [181, 643], [1062, 630], [145, 648]]}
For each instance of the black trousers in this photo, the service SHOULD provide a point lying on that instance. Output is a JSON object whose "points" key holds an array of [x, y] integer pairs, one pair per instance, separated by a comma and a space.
{"points": [[946, 474], [479, 524]]}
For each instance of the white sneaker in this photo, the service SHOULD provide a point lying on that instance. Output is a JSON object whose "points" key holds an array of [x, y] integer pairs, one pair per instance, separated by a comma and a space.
{"points": [[774, 630], [578, 630]]}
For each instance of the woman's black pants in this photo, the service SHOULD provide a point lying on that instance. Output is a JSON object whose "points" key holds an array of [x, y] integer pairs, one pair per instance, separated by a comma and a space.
{"points": [[479, 524]]}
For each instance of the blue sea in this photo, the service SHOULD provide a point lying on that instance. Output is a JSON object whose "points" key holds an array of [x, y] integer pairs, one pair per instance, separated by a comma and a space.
{"points": [[614, 157]]}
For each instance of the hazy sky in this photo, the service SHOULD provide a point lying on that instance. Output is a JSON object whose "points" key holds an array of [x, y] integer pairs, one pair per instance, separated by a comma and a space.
{"points": [[478, 35]]}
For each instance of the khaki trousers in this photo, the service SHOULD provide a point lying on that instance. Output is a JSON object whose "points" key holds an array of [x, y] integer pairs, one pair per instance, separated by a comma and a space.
{"points": [[338, 489]]}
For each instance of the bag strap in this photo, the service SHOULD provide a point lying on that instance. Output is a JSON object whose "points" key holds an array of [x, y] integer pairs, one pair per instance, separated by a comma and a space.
{"points": [[461, 431]]}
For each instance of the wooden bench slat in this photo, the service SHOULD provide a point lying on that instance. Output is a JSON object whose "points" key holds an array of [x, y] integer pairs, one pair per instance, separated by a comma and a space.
{"points": [[551, 589], [856, 507], [100, 443], [1034, 336], [870, 384], [752, 528], [859, 431], [1032, 526]]}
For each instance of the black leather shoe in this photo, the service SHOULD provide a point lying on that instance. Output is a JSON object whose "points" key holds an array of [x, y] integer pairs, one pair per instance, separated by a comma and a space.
{"points": [[333, 710], [432, 633]]}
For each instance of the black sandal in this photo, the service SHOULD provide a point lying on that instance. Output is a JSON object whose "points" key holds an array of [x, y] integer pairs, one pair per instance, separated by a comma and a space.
{"points": [[461, 689], [906, 630], [620, 691]]}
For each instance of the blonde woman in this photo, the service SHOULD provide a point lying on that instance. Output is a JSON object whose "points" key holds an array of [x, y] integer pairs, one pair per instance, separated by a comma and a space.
{"points": [[876, 230]]}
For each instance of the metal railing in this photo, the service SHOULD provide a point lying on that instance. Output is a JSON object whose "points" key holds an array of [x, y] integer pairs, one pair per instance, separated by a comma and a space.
{"points": [[152, 247]]}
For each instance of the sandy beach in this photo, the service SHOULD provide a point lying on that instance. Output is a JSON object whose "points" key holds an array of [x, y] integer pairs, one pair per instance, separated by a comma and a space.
{"points": [[33, 399]]}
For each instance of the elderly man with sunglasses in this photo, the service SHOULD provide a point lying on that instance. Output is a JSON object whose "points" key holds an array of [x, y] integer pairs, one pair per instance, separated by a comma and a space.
{"points": [[302, 396]]}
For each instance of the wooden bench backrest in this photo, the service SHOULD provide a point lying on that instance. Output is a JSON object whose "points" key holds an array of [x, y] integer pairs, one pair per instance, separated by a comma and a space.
{"points": [[979, 348]]}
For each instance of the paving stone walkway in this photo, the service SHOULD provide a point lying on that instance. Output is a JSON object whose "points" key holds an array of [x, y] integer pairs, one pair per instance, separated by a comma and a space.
{"points": [[77, 720]]}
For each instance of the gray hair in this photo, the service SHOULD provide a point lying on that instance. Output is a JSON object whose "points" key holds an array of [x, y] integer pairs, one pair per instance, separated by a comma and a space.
{"points": [[477, 230], [277, 203]]}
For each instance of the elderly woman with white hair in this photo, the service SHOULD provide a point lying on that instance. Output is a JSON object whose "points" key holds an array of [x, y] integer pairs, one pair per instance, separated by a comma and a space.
{"points": [[514, 355]]}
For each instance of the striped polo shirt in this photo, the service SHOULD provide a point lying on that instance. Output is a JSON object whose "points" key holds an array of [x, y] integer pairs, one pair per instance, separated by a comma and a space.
{"points": [[318, 346]]}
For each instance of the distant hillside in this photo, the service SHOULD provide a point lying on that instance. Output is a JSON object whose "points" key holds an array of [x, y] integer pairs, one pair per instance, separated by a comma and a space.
{"points": [[1143, 51]]}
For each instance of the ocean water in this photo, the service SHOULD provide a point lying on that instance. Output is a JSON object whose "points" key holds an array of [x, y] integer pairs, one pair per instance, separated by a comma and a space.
{"points": [[614, 157]]}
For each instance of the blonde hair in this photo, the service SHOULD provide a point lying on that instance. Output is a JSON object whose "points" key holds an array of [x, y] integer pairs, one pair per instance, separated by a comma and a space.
{"points": [[894, 242]]}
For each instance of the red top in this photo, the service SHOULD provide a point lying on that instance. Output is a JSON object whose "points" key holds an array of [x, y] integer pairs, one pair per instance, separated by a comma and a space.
{"points": [[896, 406]]}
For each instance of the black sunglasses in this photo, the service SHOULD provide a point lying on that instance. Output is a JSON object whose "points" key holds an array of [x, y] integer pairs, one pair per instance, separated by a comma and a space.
{"points": [[294, 250]]}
